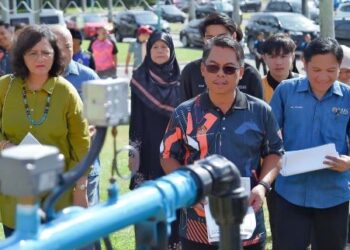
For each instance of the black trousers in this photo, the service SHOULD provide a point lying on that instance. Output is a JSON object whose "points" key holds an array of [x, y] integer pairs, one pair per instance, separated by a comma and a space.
{"points": [[297, 227], [262, 62]]}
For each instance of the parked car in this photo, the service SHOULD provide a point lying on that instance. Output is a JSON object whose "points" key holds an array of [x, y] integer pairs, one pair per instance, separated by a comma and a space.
{"points": [[127, 22], [343, 11], [88, 23], [293, 6], [342, 31], [170, 13], [247, 5], [183, 5], [190, 35], [296, 25], [206, 8]]}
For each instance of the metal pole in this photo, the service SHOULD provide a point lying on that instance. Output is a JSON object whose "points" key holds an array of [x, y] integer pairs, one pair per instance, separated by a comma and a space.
{"points": [[110, 10], [5, 7], [83, 5], [13, 7], [36, 5], [191, 10], [158, 15], [305, 8], [326, 18], [235, 14]]}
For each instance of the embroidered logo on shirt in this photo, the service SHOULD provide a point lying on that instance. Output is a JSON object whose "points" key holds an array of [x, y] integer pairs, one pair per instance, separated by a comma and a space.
{"points": [[202, 130], [296, 107], [340, 111]]}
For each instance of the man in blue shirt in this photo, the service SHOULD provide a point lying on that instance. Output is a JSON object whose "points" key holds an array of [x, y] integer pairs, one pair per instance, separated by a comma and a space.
{"points": [[313, 207], [80, 56], [77, 74]]}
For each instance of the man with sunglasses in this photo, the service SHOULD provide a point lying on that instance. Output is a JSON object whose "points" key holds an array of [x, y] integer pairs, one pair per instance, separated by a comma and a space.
{"points": [[192, 82], [224, 121]]}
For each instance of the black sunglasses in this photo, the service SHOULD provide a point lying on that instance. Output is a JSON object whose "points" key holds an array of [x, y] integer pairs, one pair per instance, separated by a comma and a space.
{"points": [[228, 70]]}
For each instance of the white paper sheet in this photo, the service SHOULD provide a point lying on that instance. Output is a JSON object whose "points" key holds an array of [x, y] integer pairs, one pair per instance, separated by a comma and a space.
{"points": [[29, 139], [247, 227], [306, 160]]}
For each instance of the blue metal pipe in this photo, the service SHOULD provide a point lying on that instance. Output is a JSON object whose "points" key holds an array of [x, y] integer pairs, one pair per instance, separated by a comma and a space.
{"points": [[76, 227]]}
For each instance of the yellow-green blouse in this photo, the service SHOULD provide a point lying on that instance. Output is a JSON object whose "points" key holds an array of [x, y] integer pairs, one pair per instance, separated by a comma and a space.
{"points": [[64, 127]]}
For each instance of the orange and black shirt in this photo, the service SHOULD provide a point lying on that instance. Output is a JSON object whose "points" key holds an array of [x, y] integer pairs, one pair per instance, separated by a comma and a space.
{"points": [[244, 135]]}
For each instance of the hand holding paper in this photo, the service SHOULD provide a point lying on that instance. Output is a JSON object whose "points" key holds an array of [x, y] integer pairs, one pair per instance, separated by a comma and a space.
{"points": [[307, 160], [340, 164]]}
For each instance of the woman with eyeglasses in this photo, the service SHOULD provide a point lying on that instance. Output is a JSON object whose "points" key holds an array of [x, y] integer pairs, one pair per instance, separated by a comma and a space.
{"points": [[35, 99], [154, 95]]}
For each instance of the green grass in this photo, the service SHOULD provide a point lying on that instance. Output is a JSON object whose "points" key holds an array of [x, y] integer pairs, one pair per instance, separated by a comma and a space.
{"points": [[183, 55], [124, 239]]}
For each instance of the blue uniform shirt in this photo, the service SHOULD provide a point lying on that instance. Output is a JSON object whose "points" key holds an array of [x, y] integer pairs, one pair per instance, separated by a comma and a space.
{"points": [[308, 122], [76, 74], [84, 58], [5, 63]]}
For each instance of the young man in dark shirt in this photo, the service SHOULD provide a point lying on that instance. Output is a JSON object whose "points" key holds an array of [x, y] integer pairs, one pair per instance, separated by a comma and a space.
{"points": [[278, 52], [192, 82]]}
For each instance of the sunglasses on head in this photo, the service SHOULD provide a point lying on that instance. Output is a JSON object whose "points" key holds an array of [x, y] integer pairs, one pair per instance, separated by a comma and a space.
{"points": [[228, 70]]}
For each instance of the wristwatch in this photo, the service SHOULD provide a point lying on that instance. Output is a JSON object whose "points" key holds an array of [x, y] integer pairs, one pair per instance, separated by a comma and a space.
{"points": [[82, 187], [266, 185]]}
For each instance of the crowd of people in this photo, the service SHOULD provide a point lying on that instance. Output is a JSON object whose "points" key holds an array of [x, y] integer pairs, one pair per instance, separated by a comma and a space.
{"points": [[218, 104]]}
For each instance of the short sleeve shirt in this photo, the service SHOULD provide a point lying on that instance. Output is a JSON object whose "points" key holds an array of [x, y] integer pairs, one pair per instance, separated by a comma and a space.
{"points": [[104, 52], [77, 74], [258, 46], [307, 122], [247, 132]]}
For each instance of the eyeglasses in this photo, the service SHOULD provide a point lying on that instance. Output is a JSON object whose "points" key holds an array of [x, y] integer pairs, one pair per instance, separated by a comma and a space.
{"points": [[228, 70], [34, 55]]}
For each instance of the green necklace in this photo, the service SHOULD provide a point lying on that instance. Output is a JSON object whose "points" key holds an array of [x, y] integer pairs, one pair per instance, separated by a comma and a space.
{"points": [[26, 106]]}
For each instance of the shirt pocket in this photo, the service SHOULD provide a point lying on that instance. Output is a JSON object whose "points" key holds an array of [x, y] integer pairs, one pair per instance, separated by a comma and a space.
{"points": [[336, 128]]}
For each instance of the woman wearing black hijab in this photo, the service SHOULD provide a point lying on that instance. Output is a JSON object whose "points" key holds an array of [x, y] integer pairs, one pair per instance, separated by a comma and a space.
{"points": [[154, 95]]}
